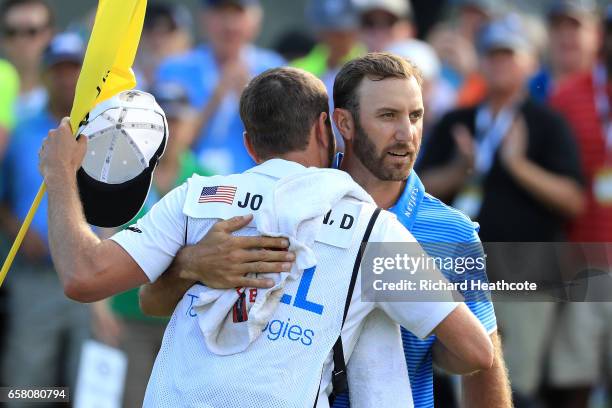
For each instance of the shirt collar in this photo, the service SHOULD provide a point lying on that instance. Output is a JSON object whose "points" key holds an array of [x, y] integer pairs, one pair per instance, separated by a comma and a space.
{"points": [[277, 168], [407, 205]]}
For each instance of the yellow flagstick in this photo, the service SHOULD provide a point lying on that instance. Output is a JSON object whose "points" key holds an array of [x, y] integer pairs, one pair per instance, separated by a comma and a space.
{"points": [[106, 71]]}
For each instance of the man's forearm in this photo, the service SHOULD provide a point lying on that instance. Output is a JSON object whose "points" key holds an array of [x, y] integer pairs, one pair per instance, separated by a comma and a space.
{"points": [[449, 361], [465, 337], [89, 269], [488, 388], [73, 244], [161, 297]]}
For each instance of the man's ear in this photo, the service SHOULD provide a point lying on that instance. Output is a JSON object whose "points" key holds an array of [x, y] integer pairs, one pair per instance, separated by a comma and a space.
{"points": [[345, 123], [249, 147], [322, 130]]}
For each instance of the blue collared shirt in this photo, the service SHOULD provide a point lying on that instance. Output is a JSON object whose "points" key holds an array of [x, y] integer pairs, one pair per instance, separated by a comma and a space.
{"points": [[432, 223], [219, 146]]}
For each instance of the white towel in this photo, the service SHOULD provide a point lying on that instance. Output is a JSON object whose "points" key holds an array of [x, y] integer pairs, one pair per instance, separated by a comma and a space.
{"points": [[296, 212], [377, 372]]}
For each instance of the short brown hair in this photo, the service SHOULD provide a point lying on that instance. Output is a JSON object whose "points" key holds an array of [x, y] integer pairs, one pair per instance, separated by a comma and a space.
{"points": [[278, 109], [375, 66]]}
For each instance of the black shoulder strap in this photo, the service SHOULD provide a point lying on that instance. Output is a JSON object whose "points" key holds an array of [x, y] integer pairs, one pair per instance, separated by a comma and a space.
{"points": [[339, 378]]}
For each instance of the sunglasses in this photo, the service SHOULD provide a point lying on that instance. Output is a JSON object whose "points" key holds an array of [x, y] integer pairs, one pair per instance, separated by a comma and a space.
{"points": [[374, 22], [26, 32]]}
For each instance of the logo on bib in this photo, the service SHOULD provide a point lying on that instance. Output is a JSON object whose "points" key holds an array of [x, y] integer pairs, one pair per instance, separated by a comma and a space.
{"points": [[218, 194]]}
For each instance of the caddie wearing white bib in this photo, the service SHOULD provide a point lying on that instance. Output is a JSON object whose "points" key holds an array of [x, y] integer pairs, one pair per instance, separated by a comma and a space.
{"points": [[287, 362]]}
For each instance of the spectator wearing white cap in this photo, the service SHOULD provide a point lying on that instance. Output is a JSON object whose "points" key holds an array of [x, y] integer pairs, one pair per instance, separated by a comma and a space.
{"points": [[384, 22]]}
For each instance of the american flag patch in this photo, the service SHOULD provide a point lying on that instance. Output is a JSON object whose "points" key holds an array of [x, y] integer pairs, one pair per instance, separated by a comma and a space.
{"points": [[218, 194]]}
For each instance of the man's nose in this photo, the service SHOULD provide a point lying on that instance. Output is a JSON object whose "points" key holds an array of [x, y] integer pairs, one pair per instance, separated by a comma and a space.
{"points": [[405, 131]]}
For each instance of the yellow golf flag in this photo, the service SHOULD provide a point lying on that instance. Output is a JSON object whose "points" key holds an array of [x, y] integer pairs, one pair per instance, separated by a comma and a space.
{"points": [[107, 70]]}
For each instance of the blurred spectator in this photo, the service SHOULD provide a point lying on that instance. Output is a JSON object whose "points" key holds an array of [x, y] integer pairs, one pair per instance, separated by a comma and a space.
{"points": [[573, 27], [580, 358], [336, 23], [438, 95], [511, 165], [427, 14], [215, 74], [8, 94], [384, 22], [166, 32], [455, 44], [387, 25], [337, 26], [27, 28], [473, 15], [141, 335], [294, 44], [46, 329]]}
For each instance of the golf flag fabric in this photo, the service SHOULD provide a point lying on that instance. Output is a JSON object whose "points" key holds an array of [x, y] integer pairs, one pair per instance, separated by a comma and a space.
{"points": [[106, 71]]}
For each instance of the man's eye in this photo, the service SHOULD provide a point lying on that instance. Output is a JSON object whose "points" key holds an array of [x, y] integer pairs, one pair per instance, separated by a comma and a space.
{"points": [[388, 115], [416, 115]]}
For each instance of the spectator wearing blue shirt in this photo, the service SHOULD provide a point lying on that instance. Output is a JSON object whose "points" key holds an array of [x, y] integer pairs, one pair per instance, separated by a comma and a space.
{"points": [[215, 74], [46, 329]]}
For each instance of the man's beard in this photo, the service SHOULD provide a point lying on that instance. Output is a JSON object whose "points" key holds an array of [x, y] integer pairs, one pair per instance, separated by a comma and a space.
{"points": [[365, 150]]}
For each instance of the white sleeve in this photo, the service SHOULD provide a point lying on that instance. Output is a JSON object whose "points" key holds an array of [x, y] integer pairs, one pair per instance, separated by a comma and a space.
{"points": [[156, 238], [419, 317]]}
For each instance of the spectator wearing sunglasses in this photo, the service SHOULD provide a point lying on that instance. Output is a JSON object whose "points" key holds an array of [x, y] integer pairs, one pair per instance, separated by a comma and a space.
{"points": [[27, 28], [384, 22]]}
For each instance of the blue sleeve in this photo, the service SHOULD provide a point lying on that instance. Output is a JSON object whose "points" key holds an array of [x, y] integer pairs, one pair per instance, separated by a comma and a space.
{"points": [[478, 301], [464, 262]]}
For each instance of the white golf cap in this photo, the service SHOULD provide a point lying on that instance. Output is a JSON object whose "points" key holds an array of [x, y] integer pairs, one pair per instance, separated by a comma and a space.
{"points": [[399, 8], [127, 135]]}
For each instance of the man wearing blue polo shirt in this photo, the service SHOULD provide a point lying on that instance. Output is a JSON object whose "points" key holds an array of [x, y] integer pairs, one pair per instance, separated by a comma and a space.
{"points": [[215, 74], [382, 138]]}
